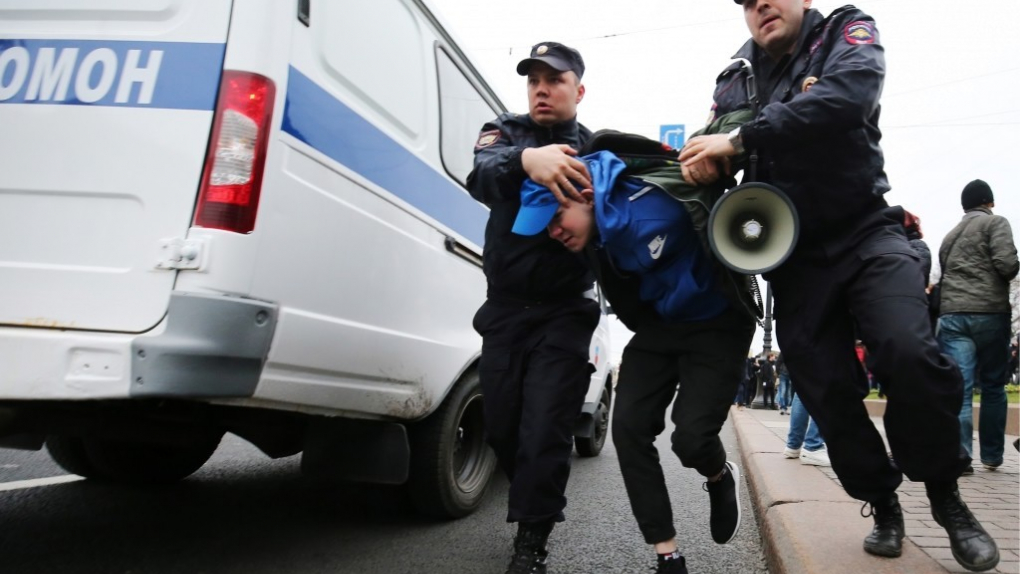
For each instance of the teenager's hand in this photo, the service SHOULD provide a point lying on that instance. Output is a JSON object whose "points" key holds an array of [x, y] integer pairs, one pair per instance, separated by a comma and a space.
{"points": [[703, 172], [556, 167]]}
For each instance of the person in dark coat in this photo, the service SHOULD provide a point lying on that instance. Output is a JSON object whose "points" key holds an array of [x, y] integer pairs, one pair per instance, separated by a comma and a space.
{"points": [[814, 83], [753, 380], [768, 382], [539, 313]]}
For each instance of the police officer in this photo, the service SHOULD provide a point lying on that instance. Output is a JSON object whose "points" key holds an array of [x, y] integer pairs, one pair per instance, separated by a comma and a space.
{"points": [[537, 321], [815, 90]]}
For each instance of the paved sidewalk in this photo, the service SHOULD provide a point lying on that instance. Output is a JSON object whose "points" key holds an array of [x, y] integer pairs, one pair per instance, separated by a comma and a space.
{"points": [[810, 525]]}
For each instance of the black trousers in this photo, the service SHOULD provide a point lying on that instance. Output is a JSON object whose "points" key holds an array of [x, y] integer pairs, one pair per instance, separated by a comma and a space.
{"points": [[535, 373], [869, 281], [751, 390], [769, 398], [707, 358]]}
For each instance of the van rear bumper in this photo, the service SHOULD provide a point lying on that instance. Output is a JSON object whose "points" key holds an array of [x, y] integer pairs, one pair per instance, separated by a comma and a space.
{"points": [[208, 346]]}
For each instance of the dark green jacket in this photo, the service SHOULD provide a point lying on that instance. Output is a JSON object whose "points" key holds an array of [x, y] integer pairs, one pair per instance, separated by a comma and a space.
{"points": [[664, 172]]}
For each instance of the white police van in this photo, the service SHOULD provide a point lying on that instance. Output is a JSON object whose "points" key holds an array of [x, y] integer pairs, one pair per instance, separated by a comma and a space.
{"points": [[246, 216]]}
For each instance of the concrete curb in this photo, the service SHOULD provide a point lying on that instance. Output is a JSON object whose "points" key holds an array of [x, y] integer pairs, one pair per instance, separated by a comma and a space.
{"points": [[808, 523]]}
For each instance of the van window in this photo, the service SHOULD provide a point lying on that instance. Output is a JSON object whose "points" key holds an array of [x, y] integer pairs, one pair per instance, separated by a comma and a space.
{"points": [[462, 112], [376, 52]]}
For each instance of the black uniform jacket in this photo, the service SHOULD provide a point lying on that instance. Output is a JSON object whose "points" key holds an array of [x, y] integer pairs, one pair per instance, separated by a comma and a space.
{"points": [[816, 132], [520, 268]]}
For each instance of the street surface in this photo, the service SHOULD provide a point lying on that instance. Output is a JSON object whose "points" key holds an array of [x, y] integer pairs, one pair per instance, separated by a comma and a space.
{"points": [[243, 513]]}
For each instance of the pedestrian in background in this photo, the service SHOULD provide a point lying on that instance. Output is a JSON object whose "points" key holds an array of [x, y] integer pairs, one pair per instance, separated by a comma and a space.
{"points": [[538, 317], [978, 259], [785, 391], [803, 439], [752, 380], [815, 82], [1014, 364], [741, 395], [768, 382], [862, 358]]}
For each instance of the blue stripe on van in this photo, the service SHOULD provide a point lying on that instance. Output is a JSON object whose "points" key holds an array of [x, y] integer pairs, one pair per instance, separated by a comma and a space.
{"points": [[320, 120], [174, 75]]}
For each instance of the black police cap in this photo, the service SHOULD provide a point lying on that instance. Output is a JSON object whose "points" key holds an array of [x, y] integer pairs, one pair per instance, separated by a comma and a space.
{"points": [[556, 55]]}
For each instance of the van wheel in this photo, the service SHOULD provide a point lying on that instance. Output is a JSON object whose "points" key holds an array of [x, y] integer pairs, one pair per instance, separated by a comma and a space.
{"points": [[69, 453], [592, 446], [148, 463], [450, 462]]}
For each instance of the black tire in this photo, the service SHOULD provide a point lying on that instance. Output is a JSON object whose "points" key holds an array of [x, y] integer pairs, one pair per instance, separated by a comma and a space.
{"points": [[148, 463], [69, 453], [592, 446], [451, 464]]}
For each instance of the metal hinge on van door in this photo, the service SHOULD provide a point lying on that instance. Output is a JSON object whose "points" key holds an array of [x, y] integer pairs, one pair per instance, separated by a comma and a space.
{"points": [[179, 253]]}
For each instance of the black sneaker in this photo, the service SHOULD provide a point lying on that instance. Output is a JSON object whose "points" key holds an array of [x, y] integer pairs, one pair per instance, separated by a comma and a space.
{"points": [[529, 548], [672, 566], [886, 538], [968, 471], [724, 500], [972, 547]]}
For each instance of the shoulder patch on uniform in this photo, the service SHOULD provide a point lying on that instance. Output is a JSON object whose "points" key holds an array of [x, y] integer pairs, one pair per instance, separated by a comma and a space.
{"points": [[485, 139], [859, 32]]}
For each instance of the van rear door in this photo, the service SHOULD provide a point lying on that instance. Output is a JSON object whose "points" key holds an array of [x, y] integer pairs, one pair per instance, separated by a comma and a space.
{"points": [[105, 113]]}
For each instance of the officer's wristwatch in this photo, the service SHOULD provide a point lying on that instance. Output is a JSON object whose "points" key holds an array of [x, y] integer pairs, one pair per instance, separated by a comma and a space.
{"points": [[736, 141]]}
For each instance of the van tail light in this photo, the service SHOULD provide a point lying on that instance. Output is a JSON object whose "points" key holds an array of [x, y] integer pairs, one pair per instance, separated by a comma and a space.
{"points": [[229, 196]]}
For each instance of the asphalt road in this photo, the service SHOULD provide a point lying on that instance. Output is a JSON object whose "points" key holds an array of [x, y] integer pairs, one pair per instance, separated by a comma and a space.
{"points": [[243, 513]]}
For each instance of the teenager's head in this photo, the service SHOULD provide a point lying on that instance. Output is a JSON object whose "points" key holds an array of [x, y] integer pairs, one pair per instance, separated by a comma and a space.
{"points": [[573, 224], [775, 24]]}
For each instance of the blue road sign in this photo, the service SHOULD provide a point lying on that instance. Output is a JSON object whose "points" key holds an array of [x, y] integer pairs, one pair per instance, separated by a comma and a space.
{"points": [[672, 135]]}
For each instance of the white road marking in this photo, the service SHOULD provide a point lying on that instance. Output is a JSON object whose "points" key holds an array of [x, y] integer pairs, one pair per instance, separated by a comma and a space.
{"points": [[36, 482]]}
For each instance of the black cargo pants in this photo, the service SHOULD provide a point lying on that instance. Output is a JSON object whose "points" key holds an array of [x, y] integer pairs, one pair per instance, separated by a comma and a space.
{"points": [[708, 360], [535, 373], [868, 280]]}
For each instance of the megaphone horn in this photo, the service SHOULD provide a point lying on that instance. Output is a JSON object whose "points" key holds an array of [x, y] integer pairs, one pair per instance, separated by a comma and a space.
{"points": [[753, 228]]}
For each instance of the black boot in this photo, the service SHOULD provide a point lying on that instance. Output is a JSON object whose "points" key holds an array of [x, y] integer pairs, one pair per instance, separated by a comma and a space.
{"points": [[529, 548], [886, 538], [972, 547]]}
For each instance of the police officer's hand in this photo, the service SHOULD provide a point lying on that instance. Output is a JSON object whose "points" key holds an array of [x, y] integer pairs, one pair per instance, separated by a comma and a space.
{"points": [[708, 147], [555, 167]]}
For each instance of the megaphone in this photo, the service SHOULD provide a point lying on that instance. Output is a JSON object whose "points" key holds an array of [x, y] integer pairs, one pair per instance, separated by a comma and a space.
{"points": [[753, 228]]}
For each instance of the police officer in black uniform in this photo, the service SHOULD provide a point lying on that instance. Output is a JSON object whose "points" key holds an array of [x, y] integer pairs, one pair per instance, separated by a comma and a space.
{"points": [[539, 316], [815, 88]]}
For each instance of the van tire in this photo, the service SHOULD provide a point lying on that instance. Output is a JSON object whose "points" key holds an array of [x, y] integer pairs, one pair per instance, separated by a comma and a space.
{"points": [[69, 453], [451, 464], [592, 446], [148, 463]]}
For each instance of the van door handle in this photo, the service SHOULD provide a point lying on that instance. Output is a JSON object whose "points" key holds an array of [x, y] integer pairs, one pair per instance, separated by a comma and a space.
{"points": [[462, 251]]}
